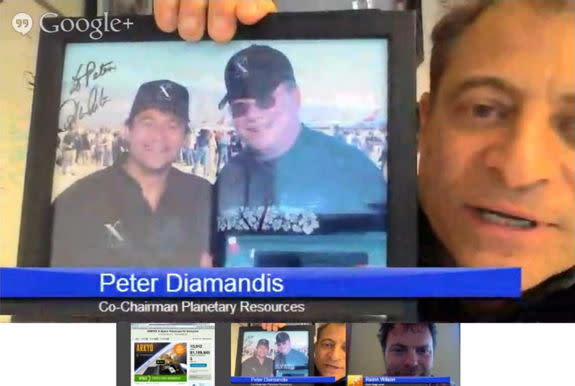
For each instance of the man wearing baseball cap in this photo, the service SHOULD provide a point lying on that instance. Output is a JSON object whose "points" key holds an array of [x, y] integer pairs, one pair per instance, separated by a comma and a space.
{"points": [[288, 359], [259, 365], [141, 211], [286, 164]]}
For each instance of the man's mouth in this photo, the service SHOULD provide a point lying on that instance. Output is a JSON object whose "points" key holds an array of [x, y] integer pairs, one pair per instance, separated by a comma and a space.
{"points": [[332, 367], [155, 148], [506, 220], [254, 129], [409, 373]]}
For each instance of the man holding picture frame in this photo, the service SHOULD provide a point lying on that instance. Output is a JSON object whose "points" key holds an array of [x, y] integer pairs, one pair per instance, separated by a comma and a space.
{"points": [[498, 193]]}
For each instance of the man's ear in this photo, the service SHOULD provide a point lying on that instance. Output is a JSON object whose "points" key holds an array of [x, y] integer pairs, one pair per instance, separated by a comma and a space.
{"points": [[424, 116], [125, 132], [295, 95], [424, 111]]}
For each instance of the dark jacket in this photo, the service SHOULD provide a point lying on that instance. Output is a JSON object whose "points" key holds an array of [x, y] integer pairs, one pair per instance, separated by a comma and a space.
{"points": [[104, 220]]}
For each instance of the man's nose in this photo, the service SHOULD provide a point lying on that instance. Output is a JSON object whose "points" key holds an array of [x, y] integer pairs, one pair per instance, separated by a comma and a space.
{"points": [[337, 354], [157, 131], [411, 358], [252, 111], [525, 155]]}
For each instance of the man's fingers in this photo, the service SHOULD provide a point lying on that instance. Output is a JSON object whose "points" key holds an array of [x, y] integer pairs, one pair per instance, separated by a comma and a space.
{"points": [[278, 326], [272, 326], [206, 260], [166, 14], [252, 11], [192, 19], [222, 22], [189, 16]]}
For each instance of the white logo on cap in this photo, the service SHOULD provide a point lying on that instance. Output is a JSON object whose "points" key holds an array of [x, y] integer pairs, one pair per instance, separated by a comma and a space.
{"points": [[113, 231], [165, 92], [241, 64]]}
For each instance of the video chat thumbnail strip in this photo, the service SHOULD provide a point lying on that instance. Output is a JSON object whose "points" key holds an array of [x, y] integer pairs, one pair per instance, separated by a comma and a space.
{"points": [[208, 354], [351, 380], [282, 380], [261, 283], [403, 380]]}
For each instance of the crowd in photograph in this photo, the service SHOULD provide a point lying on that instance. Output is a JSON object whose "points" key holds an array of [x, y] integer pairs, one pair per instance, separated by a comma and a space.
{"points": [[82, 151]]}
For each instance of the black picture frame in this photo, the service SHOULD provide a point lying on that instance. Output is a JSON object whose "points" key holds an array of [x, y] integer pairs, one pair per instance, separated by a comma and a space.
{"points": [[399, 28], [311, 342]]}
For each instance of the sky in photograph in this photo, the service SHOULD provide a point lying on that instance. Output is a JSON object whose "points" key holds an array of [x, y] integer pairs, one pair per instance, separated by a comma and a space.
{"points": [[341, 81]]}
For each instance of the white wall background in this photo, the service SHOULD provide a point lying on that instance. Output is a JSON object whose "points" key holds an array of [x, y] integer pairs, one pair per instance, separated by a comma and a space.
{"points": [[55, 354], [517, 354]]}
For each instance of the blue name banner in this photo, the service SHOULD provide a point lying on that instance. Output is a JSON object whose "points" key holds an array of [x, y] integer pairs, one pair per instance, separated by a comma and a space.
{"points": [[260, 283], [391, 380], [287, 380]]}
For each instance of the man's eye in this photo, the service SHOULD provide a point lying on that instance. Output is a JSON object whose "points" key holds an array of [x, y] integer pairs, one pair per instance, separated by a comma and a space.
{"points": [[423, 351], [483, 111], [489, 114], [484, 114], [327, 345], [566, 127], [398, 350]]}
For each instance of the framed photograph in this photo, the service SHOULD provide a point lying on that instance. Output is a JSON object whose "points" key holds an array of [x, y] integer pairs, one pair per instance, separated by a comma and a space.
{"points": [[293, 145], [284, 353]]}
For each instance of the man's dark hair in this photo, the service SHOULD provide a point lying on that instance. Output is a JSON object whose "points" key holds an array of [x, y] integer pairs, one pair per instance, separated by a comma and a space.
{"points": [[321, 328], [450, 28], [290, 84], [385, 328]]}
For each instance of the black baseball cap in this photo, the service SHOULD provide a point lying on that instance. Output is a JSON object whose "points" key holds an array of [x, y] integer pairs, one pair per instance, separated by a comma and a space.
{"points": [[282, 337], [263, 342], [164, 95], [255, 72]]}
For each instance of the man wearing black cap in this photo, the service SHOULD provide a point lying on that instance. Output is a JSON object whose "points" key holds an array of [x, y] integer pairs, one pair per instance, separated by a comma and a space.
{"points": [[286, 164], [259, 365], [288, 359], [141, 211]]}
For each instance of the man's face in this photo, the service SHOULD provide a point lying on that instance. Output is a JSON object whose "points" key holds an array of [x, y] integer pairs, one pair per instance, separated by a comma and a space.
{"points": [[265, 125], [284, 347], [330, 351], [262, 351], [155, 139], [409, 351], [497, 147]]}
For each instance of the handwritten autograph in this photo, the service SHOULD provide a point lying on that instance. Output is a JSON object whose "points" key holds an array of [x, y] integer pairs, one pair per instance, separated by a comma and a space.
{"points": [[96, 100], [78, 110], [89, 71]]}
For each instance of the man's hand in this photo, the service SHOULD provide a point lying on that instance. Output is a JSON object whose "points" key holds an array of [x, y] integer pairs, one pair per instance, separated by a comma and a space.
{"points": [[273, 326], [189, 16], [206, 260]]}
